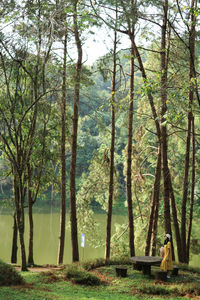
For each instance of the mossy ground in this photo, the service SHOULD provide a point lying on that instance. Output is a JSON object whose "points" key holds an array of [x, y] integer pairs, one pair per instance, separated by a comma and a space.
{"points": [[54, 285]]}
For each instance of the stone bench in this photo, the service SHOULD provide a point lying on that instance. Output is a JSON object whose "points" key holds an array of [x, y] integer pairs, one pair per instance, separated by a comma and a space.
{"points": [[161, 275], [121, 271], [175, 271], [144, 263]]}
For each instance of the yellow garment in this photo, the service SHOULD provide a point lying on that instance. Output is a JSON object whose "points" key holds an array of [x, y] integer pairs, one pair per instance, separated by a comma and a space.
{"points": [[166, 265]]}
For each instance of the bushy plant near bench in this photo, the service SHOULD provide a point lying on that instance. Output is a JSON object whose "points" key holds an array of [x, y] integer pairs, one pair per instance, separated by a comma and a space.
{"points": [[77, 275], [9, 276], [100, 262]]}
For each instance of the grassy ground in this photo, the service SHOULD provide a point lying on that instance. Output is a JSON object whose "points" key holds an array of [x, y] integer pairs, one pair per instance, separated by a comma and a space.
{"points": [[53, 285]]}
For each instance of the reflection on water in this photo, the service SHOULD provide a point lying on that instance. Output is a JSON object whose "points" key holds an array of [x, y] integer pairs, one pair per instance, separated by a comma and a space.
{"points": [[46, 238]]}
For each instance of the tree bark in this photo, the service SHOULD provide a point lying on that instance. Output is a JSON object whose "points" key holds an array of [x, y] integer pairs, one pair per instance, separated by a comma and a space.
{"points": [[164, 146], [19, 204], [176, 223], [30, 216], [153, 218], [129, 155], [63, 161], [14, 242], [192, 193], [188, 136], [112, 151], [73, 218], [185, 189]]}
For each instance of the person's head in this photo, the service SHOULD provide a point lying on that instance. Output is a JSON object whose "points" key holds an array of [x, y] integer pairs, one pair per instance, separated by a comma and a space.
{"points": [[167, 238]]}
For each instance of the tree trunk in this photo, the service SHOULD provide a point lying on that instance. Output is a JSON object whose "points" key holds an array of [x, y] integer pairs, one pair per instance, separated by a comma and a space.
{"points": [[129, 155], [185, 189], [63, 162], [188, 137], [112, 151], [19, 204], [14, 242], [164, 147], [192, 192], [155, 117], [175, 222], [73, 218], [153, 219], [30, 216]]}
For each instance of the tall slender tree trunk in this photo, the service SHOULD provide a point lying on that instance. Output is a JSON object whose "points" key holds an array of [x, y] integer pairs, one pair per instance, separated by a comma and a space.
{"points": [[185, 188], [19, 204], [73, 218], [30, 216], [63, 161], [189, 124], [176, 222], [158, 130], [14, 241], [164, 146], [192, 193], [153, 218], [30, 145], [156, 210], [112, 152], [129, 154]]}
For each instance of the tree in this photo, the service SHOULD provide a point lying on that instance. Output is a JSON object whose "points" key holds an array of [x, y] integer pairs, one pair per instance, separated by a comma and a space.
{"points": [[112, 148], [73, 219], [188, 137], [63, 138], [24, 88]]}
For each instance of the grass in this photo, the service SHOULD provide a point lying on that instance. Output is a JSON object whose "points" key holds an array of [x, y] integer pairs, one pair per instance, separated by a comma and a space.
{"points": [[136, 286]]}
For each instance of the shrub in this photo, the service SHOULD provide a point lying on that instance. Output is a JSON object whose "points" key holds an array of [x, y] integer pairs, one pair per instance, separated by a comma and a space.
{"points": [[99, 262], [154, 290], [191, 288], [9, 276], [92, 264], [77, 275], [188, 268]]}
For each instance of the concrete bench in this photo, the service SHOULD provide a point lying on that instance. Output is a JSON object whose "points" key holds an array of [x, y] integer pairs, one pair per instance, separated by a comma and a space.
{"points": [[175, 271], [144, 263], [121, 271]]}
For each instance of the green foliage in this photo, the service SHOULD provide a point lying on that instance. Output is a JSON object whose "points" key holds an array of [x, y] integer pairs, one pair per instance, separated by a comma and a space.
{"points": [[9, 276], [134, 287], [191, 288], [188, 268], [153, 290], [99, 262], [79, 276], [93, 264], [119, 242]]}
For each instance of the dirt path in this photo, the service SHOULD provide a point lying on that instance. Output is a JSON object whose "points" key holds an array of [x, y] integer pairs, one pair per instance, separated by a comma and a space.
{"points": [[43, 268]]}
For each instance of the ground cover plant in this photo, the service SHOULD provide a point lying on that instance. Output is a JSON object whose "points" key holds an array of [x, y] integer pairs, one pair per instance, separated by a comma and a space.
{"points": [[9, 275], [105, 284], [77, 275]]}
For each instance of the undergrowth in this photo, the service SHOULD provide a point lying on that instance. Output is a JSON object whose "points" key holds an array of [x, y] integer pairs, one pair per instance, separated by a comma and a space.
{"points": [[79, 276], [100, 262], [9, 276]]}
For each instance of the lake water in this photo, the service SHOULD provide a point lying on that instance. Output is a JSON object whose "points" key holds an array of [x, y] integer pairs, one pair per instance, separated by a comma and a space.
{"points": [[46, 233], [46, 238]]}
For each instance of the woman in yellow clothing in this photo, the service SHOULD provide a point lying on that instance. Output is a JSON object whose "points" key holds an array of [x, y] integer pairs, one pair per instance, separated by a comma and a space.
{"points": [[166, 264]]}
